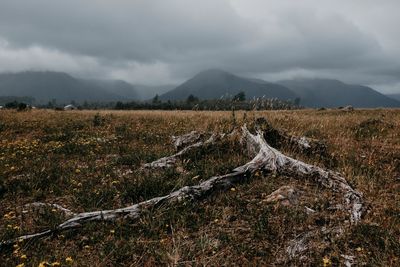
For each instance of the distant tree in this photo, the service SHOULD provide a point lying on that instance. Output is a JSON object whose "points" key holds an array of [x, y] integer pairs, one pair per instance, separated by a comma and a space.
{"points": [[12, 105], [22, 107], [156, 99], [85, 105], [241, 96], [119, 105], [192, 99], [297, 101]]}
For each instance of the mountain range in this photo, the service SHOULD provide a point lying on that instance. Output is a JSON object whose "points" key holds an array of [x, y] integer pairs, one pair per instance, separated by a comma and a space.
{"points": [[214, 84], [45, 86], [394, 96], [209, 84], [334, 93]]}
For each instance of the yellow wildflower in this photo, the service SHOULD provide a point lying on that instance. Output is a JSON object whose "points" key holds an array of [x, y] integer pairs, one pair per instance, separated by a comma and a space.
{"points": [[43, 264], [21, 265], [10, 215], [326, 261], [69, 260], [56, 263], [112, 231], [233, 189], [23, 257]]}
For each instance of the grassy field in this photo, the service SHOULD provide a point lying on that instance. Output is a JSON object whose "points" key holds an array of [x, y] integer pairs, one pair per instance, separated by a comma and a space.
{"points": [[89, 160]]}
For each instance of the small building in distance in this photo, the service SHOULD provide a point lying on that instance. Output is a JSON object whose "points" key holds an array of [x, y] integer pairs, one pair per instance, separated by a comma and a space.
{"points": [[70, 107]]}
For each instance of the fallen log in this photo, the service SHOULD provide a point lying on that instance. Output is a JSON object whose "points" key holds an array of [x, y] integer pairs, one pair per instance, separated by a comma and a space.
{"points": [[190, 142], [272, 160], [170, 161], [278, 139], [49, 205], [182, 141], [267, 159]]}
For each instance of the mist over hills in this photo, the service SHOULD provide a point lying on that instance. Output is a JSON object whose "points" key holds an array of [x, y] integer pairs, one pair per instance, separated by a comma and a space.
{"points": [[334, 93], [45, 86], [214, 84], [209, 84], [147, 92], [394, 96]]}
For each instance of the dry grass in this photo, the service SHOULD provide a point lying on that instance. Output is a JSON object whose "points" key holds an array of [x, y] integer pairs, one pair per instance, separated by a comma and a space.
{"points": [[90, 160]]}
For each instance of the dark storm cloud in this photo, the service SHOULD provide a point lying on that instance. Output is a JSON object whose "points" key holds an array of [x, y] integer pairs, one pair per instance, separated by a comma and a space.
{"points": [[163, 41], [139, 30]]}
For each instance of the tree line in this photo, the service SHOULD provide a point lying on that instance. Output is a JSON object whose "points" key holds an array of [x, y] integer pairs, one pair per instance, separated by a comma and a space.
{"points": [[236, 102]]}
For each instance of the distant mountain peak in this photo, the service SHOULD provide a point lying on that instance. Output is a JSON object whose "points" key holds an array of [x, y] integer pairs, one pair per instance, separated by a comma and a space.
{"points": [[333, 93], [216, 83], [47, 85], [315, 80], [213, 74], [213, 71]]}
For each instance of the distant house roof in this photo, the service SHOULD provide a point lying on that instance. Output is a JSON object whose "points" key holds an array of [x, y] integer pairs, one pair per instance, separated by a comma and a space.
{"points": [[69, 107]]}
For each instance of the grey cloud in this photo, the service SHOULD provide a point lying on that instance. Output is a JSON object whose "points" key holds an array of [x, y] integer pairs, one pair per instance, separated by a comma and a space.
{"points": [[164, 41], [138, 30]]}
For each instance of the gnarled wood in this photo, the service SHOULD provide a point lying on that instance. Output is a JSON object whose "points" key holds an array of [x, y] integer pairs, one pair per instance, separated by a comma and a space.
{"points": [[170, 161], [50, 205], [267, 159], [278, 139], [186, 139]]}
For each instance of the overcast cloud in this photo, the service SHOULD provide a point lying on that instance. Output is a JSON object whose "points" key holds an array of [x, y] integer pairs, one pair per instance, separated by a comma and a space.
{"points": [[167, 41]]}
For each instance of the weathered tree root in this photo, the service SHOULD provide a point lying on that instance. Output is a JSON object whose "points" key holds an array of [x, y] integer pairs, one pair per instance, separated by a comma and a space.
{"points": [[267, 159], [170, 161], [192, 141], [278, 139], [49, 205], [272, 160], [182, 141]]}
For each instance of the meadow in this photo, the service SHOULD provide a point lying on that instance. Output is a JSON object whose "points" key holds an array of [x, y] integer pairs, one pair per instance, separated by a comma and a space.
{"points": [[92, 160]]}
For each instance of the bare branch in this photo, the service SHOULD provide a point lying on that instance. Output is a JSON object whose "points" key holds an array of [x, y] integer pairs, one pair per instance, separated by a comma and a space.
{"points": [[54, 206], [267, 159], [186, 139], [170, 161]]}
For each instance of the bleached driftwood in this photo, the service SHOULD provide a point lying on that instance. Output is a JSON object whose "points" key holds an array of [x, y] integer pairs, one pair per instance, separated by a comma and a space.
{"points": [[285, 195], [267, 159], [272, 160], [49, 205], [189, 142], [170, 161], [186, 139], [277, 139]]}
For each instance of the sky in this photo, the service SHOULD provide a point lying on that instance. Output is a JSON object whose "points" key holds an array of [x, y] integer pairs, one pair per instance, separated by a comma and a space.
{"points": [[158, 42]]}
